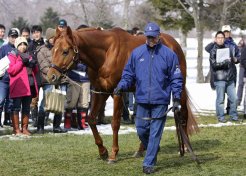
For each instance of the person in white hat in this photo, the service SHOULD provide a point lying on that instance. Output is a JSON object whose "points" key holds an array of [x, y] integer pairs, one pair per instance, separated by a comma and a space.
{"points": [[226, 29], [23, 84]]}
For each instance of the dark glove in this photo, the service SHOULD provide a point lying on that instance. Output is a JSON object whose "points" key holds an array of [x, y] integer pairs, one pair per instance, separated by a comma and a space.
{"points": [[32, 63], [226, 64], [117, 91], [176, 105], [25, 61], [234, 60]]}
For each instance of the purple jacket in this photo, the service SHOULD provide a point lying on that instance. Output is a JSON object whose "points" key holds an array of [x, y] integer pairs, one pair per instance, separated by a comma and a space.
{"points": [[19, 83]]}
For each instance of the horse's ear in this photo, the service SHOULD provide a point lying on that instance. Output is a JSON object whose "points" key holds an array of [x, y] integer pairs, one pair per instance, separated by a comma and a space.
{"points": [[69, 32], [58, 32]]}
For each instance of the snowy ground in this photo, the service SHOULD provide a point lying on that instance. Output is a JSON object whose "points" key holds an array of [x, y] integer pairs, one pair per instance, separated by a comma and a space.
{"points": [[201, 94]]}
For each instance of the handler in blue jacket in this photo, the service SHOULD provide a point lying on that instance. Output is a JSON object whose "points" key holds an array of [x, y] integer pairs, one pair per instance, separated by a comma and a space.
{"points": [[154, 69]]}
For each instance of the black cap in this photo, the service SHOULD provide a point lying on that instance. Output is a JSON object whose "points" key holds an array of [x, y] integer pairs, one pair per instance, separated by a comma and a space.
{"points": [[62, 23], [13, 32]]}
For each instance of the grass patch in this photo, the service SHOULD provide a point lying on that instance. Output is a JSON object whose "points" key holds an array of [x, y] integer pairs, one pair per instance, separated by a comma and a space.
{"points": [[221, 152]]}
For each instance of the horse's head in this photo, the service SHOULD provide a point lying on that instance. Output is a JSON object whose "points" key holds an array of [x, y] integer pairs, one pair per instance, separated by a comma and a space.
{"points": [[64, 55]]}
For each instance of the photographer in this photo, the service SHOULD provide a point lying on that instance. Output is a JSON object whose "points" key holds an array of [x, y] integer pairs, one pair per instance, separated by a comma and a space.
{"points": [[23, 84]]}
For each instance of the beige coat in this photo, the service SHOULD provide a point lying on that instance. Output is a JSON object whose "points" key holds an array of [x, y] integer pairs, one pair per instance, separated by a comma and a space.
{"points": [[44, 59]]}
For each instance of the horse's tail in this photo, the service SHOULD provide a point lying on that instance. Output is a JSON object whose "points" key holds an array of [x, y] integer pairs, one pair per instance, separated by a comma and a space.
{"points": [[191, 126]]}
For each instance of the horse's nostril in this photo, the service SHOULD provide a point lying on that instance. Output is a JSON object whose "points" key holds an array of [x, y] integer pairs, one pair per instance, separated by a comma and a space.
{"points": [[53, 78]]}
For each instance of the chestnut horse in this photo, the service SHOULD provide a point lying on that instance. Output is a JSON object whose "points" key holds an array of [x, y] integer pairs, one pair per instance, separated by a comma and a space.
{"points": [[106, 52]]}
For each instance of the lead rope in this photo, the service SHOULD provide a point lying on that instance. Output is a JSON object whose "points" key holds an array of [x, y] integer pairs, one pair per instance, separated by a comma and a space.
{"points": [[93, 91]]}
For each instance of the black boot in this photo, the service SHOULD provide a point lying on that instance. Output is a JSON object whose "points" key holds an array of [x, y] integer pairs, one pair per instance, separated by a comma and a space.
{"points": [[40, 125], [34, 116], [1, 125], [7, 121], [57, 123], [46, 119]]}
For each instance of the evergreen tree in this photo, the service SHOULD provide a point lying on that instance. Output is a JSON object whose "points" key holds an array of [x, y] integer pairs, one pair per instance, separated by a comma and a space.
{"points": [[19, 23], [173, 16], [49, 19]]}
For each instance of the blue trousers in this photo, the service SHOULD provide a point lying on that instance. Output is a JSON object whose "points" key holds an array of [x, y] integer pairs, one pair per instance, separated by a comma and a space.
{"points": [[150, 131], [222, 88], [5, 101]]}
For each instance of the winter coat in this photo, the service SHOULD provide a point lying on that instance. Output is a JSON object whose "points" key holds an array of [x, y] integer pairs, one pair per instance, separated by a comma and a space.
{"points": [[19, 82], [44, 57], [4, 51], [243, 59], [226, 70], [79, 74], [156, 74], [33, 50]]}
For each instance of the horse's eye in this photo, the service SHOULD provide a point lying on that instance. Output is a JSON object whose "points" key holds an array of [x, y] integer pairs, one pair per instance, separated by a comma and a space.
{"points": [[65, 53]]}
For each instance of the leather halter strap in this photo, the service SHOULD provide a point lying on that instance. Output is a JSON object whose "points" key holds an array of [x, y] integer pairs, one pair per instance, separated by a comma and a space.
{"points": [[74, 60]]}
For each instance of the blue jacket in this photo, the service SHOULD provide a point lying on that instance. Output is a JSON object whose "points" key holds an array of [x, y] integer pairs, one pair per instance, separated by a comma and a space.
{"points": [[229, 42], [156, 74], [79, 77], [5, 50]]}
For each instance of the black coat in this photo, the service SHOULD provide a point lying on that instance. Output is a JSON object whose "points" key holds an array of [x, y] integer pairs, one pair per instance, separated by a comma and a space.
{"points": [[222, 71], [243, 59]]}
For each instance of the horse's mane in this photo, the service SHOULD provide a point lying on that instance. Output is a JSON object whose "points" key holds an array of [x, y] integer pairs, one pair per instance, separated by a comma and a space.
{"points": [[100, 29], [89, 29]]}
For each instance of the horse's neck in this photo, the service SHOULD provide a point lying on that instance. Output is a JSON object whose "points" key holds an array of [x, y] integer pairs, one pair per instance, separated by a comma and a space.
{"points": [[92, 49]]}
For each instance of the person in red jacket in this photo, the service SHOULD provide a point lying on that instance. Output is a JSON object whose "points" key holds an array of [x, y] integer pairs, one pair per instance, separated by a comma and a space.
{"points": [[23, 84]]}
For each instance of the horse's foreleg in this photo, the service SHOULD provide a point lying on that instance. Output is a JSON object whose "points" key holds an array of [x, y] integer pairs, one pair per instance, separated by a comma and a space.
{"points": [[97, 102], [115, 123]]}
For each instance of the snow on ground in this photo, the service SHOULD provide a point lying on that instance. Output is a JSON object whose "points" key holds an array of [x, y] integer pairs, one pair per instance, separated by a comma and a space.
{"points": [[203, 97]]}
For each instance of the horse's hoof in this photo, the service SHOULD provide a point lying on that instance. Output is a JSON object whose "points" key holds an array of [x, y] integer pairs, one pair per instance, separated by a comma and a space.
{"points": [[104, 156], [138, 154], [111, 161]]}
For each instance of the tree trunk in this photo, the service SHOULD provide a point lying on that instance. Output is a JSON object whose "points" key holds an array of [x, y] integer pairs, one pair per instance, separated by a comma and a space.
{"points": [[126, 13], [223, 14], [199, 34], [85, 13], [183, 41]]}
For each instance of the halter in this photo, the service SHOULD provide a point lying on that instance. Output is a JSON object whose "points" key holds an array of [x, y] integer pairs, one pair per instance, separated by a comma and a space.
{"points": [[74, 60]]}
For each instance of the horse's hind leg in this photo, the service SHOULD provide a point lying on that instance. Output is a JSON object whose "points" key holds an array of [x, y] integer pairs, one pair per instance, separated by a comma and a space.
{"points": [[115, 123], [97, 102]]}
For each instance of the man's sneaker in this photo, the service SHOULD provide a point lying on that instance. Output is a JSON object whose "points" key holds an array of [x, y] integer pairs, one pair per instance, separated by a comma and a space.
{"points": [[222, 120], [234, 119], [148, 170]]}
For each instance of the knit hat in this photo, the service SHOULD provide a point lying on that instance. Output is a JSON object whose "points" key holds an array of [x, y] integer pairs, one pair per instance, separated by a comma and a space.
{"points": [[20, 40], [50, 32]]}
